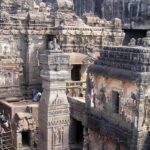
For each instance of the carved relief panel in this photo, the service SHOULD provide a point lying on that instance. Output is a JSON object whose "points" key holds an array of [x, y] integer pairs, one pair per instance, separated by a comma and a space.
{"points": [[8, 78], [111, 95]]}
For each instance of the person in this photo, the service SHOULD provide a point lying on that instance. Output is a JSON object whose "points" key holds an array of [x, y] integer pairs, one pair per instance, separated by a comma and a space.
{"points": [[37, 97], [3, 120]]}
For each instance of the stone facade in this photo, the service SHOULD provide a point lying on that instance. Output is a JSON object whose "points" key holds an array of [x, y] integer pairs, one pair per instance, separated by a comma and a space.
{"points": [[120, 82], [28, 26], [40, 43], [10, 68]]}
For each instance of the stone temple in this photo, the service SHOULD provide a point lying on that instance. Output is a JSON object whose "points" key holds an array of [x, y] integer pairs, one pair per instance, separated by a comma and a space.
{"points": [[74, 75]]}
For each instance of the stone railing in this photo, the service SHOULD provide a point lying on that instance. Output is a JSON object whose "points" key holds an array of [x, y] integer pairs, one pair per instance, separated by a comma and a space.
{"points": [[76, 88]]}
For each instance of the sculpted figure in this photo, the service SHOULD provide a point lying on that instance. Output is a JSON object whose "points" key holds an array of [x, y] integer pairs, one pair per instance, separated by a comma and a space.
{"points": [[100, 99], [146, 40], [5, 16], [53, 45], [132, 42], [57, 137], [146, 118], [116, 22], [42, 6], [139, 41], [65, 4]]}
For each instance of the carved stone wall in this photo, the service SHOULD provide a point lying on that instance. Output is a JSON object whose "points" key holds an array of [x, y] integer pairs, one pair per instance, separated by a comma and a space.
{"points": [[33, 24], [120, 96], [10, 67], [99, 142], [103, 91]]}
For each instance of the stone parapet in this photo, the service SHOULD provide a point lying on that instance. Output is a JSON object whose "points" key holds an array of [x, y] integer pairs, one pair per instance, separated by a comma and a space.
{"points": [[125, 63], [129, 58]]}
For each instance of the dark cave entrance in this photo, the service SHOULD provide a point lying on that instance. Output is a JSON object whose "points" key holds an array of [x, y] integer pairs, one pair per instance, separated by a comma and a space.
{"points": [[75, 73], [25, 138], [116, 101], [76, 135], [79, 133]]}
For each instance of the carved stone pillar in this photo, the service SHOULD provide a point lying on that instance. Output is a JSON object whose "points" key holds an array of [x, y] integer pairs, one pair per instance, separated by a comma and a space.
{"points": [[54, 114]]}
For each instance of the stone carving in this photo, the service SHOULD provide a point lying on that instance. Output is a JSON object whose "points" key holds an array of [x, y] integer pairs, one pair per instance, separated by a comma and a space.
{"points": [[32, 24], [100, 100], [117, 23], [7, 78], [5, 17], [58, 133], [90, 90], [146, 40], [24, 121], [53, 45], [129, 109], [132, 42], [57, 101], [146, 117], [140, 42], [57, 121], [65, 5]]}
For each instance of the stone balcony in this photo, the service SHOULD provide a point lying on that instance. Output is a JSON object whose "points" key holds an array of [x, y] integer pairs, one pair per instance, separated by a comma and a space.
{"points": [[76, 89]]}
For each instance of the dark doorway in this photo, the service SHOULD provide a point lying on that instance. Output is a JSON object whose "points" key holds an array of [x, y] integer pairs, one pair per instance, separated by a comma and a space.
{"points": [[146, 145], [48, 39], [76, 135], [79, 133], [26, 138], [115, 101], [75, 73]]}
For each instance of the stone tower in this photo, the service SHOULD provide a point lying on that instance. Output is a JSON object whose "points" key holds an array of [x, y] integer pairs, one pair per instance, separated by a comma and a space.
{"points": [[54, 116]]}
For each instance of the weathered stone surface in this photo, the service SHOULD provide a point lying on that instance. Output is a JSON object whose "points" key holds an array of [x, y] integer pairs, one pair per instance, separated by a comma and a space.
{"points": [[133, 13], [118, 84]]}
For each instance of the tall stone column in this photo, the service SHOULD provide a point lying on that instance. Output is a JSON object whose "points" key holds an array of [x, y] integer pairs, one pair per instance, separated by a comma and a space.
{"points": [[54, 114]]}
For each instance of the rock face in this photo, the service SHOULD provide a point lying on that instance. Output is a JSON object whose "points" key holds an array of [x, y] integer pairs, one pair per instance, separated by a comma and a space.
{"points": [[134, 14]]}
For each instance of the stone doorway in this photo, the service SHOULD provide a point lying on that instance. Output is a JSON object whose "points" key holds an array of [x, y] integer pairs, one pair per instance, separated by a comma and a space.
{"points": [[75, 73], [76, 135], [26, 138], [116, 101]]}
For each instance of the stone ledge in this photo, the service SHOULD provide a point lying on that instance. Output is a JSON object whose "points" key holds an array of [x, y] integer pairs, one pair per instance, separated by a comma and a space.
{"points": [[121, 74]]}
